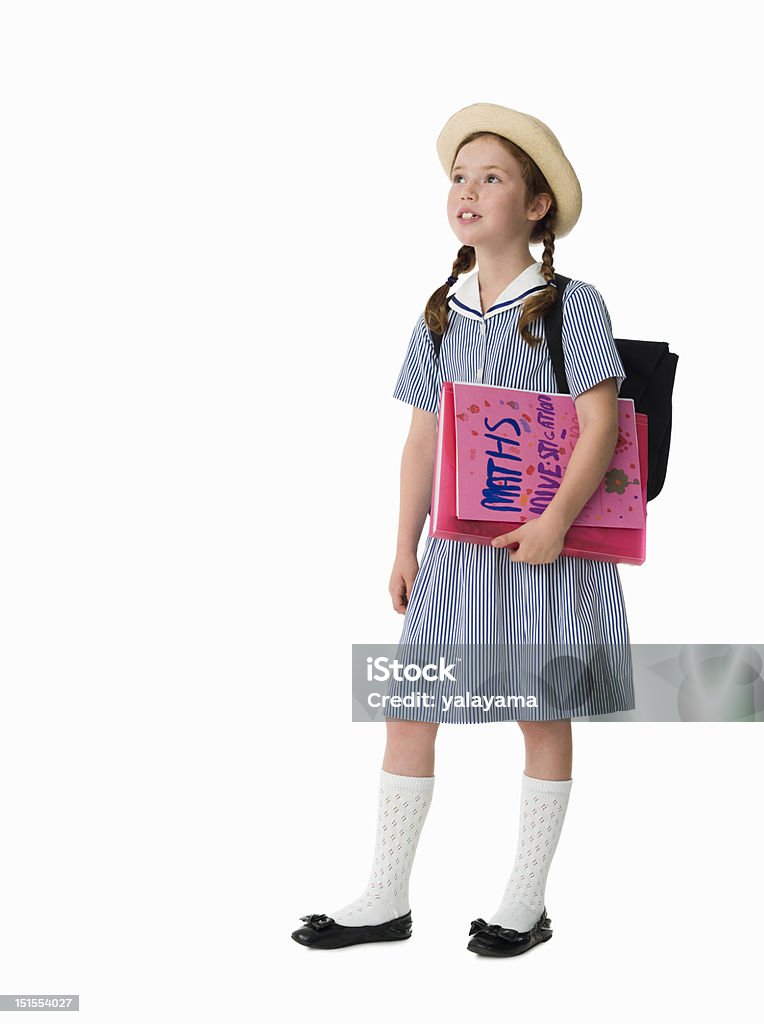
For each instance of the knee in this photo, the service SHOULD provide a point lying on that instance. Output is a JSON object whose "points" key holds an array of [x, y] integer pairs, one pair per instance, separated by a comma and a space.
{"points": [[420, 734], [540, 730]]}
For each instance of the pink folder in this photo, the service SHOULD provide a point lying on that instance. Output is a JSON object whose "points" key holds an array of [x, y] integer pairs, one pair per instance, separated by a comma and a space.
{"points": [[601, 543]]}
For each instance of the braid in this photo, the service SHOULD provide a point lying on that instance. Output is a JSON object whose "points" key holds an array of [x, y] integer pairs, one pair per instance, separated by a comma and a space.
{"points": [[436, 310], [537, 304], [547, 259]]}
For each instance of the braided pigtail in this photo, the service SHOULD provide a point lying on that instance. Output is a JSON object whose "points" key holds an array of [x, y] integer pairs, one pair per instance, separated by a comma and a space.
{"points": [[436, 310], [537, 305]]}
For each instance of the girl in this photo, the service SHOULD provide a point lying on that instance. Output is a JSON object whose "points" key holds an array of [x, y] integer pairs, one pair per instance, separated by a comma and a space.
{"points": [[511, 186]]}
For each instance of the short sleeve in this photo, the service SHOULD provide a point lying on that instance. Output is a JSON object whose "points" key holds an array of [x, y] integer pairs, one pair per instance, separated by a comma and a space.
{"points": [[588, 346], [419, 382]]}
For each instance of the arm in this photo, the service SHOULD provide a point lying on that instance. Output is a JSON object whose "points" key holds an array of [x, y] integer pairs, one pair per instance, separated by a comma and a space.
{"points": [[417, 464], [542, 539], [597, 413]]}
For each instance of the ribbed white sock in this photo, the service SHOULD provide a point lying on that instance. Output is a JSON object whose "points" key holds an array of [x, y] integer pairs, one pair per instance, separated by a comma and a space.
{"points": [[543, 803], [402, 806]]}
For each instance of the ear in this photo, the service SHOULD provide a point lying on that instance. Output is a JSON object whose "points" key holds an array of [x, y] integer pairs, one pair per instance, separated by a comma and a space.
{"points": [[540, 206]]}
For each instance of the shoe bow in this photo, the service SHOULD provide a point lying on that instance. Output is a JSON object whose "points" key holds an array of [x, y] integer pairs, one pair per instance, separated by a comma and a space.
{"points": [[480, 925], [317, 921]]}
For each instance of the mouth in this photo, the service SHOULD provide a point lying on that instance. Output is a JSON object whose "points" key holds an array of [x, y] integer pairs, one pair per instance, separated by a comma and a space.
{"points": [[468, 218]]}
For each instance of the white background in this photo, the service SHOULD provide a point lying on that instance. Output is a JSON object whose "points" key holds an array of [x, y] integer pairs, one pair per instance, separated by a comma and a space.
{"points": [[220, 223]]}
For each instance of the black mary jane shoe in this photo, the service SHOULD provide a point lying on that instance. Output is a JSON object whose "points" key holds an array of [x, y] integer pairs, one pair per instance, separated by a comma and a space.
{"points": [[323, 932], [493, 940]]}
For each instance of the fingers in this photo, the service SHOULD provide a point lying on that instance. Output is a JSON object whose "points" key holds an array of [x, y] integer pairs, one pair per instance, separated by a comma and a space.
{"points": [[398, 594]]}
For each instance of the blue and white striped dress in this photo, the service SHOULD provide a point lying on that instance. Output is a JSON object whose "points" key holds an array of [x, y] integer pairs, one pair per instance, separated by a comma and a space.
{"points": [[473, 598]]}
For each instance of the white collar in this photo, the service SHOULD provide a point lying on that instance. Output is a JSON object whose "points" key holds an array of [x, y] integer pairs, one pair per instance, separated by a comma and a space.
{"points": [[466, 298]]}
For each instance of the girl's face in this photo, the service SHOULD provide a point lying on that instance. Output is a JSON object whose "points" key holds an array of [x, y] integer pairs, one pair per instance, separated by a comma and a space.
{"points": [[486, 179]]}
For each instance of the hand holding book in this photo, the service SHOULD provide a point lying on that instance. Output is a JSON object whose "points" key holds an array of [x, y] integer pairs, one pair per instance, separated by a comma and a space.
{"points": [[538, 540]]}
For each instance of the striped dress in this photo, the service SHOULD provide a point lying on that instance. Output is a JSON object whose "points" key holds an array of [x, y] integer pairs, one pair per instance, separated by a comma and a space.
{"points": [[529, 642]]}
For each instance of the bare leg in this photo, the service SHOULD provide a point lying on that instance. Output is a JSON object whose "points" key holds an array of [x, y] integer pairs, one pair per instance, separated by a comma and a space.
{"points": [[410, 747], [548, 749]]}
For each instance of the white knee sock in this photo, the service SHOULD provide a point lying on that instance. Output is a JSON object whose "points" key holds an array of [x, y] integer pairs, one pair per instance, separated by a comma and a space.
{"points": [[403, 802], [543, 803]]}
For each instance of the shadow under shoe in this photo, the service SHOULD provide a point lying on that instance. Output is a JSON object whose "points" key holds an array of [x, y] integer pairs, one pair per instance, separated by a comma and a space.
{"points": [[493, 940], [322, 932]]}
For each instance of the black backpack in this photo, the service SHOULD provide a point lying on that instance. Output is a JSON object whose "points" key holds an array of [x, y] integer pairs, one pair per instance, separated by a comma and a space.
{"points": [[650, 371]]}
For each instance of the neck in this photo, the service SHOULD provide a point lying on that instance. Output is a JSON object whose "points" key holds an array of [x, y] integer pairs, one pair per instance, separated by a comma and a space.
{"points": [[496, 271]]}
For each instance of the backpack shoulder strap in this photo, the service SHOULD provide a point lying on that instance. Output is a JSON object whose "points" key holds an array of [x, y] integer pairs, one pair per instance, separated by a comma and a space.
{"points": [[436, 340], [553, 325]]}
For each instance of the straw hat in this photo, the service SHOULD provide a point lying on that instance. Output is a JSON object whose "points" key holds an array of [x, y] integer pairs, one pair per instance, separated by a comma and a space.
{"points": [[531, 135]]}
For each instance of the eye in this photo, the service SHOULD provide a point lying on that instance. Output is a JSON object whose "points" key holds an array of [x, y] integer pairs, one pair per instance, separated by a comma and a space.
{"points": [[454, 179]]}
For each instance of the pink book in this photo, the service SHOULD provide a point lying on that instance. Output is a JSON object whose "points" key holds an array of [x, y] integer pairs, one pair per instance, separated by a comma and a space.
{"points": [[513, 447], [501, 455]]}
